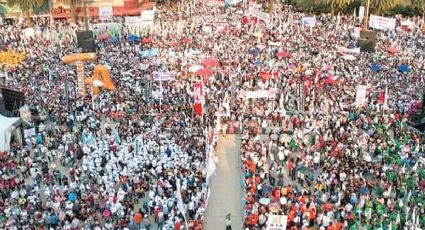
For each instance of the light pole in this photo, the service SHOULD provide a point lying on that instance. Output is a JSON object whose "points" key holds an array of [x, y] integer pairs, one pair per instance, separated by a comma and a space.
{"points": [[366, 21], [86, 21]]}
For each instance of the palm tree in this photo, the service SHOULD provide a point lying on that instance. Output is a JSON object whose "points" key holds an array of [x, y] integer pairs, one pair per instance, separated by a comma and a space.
{"points": [[336, 5], [383, 6], [73, 6], [420, 5], [26, 7]]}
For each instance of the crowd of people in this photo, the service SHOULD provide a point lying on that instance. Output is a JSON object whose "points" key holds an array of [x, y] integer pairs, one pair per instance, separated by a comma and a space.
{"points": [[136, 159]]}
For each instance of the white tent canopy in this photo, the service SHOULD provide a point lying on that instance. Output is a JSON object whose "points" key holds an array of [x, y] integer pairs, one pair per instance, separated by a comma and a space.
{"points": [[7, 129]]}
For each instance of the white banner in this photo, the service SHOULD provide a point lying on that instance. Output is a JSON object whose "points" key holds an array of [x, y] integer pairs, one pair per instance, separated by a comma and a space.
{"points": [[258, 94], [361, 13], [207, 29], [308, 21], [342, 49], [28, 133], [231, 2], [382, 23], [265, 17], [105, 13], [148, 17], [215, 3], [361, 95], [219, 26], [133, 20], [162, 76], [275, 43], [277, 222], [144, 66]]}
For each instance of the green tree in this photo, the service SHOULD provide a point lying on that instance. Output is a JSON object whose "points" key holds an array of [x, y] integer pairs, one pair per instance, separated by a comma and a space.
{"points": [[73, 6], [420, 5], [383, 6], [337, 5], [311, 6], [26, 6]]}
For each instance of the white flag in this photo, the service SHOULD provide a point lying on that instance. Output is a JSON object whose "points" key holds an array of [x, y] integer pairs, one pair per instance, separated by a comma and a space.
{"points": [[21, 19], [180, 205]]}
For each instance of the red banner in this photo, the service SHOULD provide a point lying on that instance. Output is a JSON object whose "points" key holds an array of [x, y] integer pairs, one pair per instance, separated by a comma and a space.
{"points": [[198, 98]]}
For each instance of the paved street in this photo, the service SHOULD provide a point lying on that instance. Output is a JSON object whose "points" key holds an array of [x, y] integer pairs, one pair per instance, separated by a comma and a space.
{"points": [[225, 186]]}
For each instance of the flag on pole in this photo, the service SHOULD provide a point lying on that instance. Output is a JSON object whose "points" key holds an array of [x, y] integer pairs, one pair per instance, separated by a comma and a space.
{"points": [[386, 98], [198, 98], [180, 204], [21, 19], [117, 136]]}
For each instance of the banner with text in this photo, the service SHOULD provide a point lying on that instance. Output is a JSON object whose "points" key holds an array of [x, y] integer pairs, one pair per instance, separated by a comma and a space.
{"points": [[265, 17], [361, 95], [277, 222], [258, 94], [148, 17], [105, 13], [308, 21], [382, 23]]}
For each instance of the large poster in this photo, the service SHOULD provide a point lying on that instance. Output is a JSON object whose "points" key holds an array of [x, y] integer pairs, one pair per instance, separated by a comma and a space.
{"points": [[265, 17], [105, 13], [382, 23], [277, 222], [361, 95]]}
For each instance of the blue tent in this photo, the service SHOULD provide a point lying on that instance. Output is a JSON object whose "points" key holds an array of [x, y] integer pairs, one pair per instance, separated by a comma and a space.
{"points": [[404, 68], [133, 38], [113, 40], [254, 51], [376, 67]]}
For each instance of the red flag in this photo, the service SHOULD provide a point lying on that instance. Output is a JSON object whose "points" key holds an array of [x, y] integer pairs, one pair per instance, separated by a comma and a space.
{"points": [[381, 97], [198, 98]]}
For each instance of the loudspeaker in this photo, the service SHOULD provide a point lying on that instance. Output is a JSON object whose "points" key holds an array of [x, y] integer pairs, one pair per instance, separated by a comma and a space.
{"points": [[367, 45], [85, 41], [11, 101], [84, 35], [88, 46], [368, 35]]}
